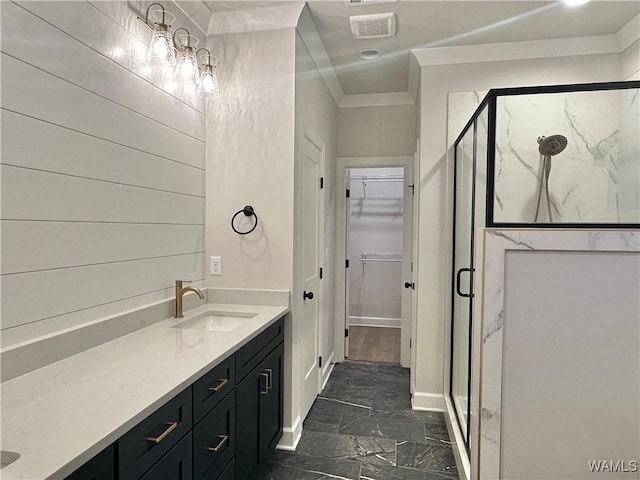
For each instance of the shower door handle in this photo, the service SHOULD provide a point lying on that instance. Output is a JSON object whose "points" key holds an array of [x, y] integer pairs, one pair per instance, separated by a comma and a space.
{"points": [[458, 275]]}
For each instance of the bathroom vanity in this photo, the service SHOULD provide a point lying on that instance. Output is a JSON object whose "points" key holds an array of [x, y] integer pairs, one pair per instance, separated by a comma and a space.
{"points": [[192, 398]]}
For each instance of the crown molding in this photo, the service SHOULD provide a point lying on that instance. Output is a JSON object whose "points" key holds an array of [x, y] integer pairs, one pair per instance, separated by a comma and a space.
{"points": [[500, 52], [630, 33], [376, 100]]}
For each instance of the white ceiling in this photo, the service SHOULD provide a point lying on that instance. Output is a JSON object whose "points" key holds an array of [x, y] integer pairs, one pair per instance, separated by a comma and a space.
{"points": [[443, 23]]}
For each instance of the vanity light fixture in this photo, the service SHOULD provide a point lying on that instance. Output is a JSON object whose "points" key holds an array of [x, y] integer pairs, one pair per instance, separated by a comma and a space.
{"points": [[208, 85], [187, 70], [164, 47], [161, 51]]}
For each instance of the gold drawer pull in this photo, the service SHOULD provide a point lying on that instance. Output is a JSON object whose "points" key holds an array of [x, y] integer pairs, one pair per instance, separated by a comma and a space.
{"points": [[223, 382], [163, 435], [217, 448], [266, 384]]}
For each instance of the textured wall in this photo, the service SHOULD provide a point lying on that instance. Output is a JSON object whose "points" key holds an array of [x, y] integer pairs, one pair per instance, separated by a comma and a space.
{"points": [[250, 159], [377, 131]]}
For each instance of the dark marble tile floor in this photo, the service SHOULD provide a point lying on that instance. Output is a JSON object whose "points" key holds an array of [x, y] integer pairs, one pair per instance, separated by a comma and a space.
{"points": [[361, 427]]}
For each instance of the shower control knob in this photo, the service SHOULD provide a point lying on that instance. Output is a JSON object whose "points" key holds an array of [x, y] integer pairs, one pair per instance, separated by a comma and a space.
{"points": [[411, 285], [307, 296]]}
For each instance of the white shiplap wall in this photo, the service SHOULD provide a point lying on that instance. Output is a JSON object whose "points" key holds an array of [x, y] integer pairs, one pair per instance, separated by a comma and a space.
{"points": [[102, 169]]}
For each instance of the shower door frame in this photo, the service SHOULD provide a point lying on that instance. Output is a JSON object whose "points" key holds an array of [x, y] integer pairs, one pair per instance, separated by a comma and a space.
{"points": [[491, 100], [471, 124], [489, 104]]}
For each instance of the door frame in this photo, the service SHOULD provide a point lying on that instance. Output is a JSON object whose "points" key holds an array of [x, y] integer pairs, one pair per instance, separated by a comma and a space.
{"points": [[340, 310]]}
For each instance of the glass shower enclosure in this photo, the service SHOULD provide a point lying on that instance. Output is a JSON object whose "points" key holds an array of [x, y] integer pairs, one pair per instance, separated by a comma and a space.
{"points": [[563, 156]]}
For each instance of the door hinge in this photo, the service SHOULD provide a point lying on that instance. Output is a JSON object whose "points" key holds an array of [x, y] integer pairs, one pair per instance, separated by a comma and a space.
{"points": [[346, 263], [409, 343], [411, 267], [348, 193], [319, 362], [346, 333], [320, 273], [321, 182]]}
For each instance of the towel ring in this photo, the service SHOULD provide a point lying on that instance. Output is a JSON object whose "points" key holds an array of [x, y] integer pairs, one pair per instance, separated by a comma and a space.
{"points": [[248, 211]]}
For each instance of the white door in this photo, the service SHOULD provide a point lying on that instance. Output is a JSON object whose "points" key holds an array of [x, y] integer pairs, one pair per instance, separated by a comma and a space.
{"points": [[408, 277], [310, 248], [414, 255], [347, 216]]}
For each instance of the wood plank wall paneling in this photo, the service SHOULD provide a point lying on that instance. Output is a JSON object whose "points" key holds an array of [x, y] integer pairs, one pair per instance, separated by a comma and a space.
{"points": [[102, 176]]}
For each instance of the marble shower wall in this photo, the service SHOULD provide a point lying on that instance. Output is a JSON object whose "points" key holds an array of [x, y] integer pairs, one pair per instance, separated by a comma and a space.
{"points": [[595, 179]]}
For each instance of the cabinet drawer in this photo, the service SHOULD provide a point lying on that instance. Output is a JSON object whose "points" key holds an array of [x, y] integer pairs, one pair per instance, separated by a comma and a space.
{"points": [[213, 387], [100, 467], [214, 440], [175, 465], [249, 356], [147, 442]]}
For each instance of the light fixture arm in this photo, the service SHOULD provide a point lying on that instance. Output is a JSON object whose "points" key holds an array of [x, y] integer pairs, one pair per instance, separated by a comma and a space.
{"points": [[208, 54], [146, 15], [177, 45]]}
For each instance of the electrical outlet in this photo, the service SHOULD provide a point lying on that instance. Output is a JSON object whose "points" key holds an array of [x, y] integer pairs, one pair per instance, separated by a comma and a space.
{"points": [[216, 265]]}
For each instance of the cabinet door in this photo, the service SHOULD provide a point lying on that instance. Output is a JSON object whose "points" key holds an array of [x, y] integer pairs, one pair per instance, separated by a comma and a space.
{"points": [[100, 467], [271, 404], [259, 414], [175, 465], [247, 423]]}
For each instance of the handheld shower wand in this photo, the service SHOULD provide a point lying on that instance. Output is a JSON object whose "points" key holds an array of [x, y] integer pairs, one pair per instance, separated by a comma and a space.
{"points": [[548, 146]]}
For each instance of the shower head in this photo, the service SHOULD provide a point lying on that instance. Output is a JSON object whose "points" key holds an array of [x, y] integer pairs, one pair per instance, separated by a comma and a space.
{"points": [[552, 145]]}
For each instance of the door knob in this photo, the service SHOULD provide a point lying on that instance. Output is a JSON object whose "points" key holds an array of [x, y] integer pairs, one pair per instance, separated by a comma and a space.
{"points": [[411, 285], [307, 296]]}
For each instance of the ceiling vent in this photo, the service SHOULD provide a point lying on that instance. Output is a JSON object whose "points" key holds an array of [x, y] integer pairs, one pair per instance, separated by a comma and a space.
{"points": [[377, 25]]}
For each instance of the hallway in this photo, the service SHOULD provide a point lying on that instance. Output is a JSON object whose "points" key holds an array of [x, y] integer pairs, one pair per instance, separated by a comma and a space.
{"points": [[361, 427]]}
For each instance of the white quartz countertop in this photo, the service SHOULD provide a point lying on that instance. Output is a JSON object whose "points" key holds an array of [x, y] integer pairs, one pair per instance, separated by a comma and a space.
{"points": [[61, 415]]}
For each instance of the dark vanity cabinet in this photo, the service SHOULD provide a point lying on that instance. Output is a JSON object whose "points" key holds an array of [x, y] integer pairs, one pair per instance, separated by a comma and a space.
{"points": [[100, 467], [259, 411], [222, 427]]}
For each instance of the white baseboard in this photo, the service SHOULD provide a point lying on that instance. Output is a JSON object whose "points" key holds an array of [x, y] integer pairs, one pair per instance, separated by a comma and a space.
{"points": [[459, 451], [326, 372], [290, 437], [433, 402], [375, 322]]}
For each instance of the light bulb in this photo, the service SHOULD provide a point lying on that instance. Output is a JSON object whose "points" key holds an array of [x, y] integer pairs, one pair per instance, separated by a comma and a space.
{"points": [[161, 48], [208, 86], [161, 52], [187, 68]]}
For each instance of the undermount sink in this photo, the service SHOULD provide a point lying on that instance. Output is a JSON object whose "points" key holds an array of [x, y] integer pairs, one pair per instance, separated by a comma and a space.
{"points": [[7, 458], [216, 321]]}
